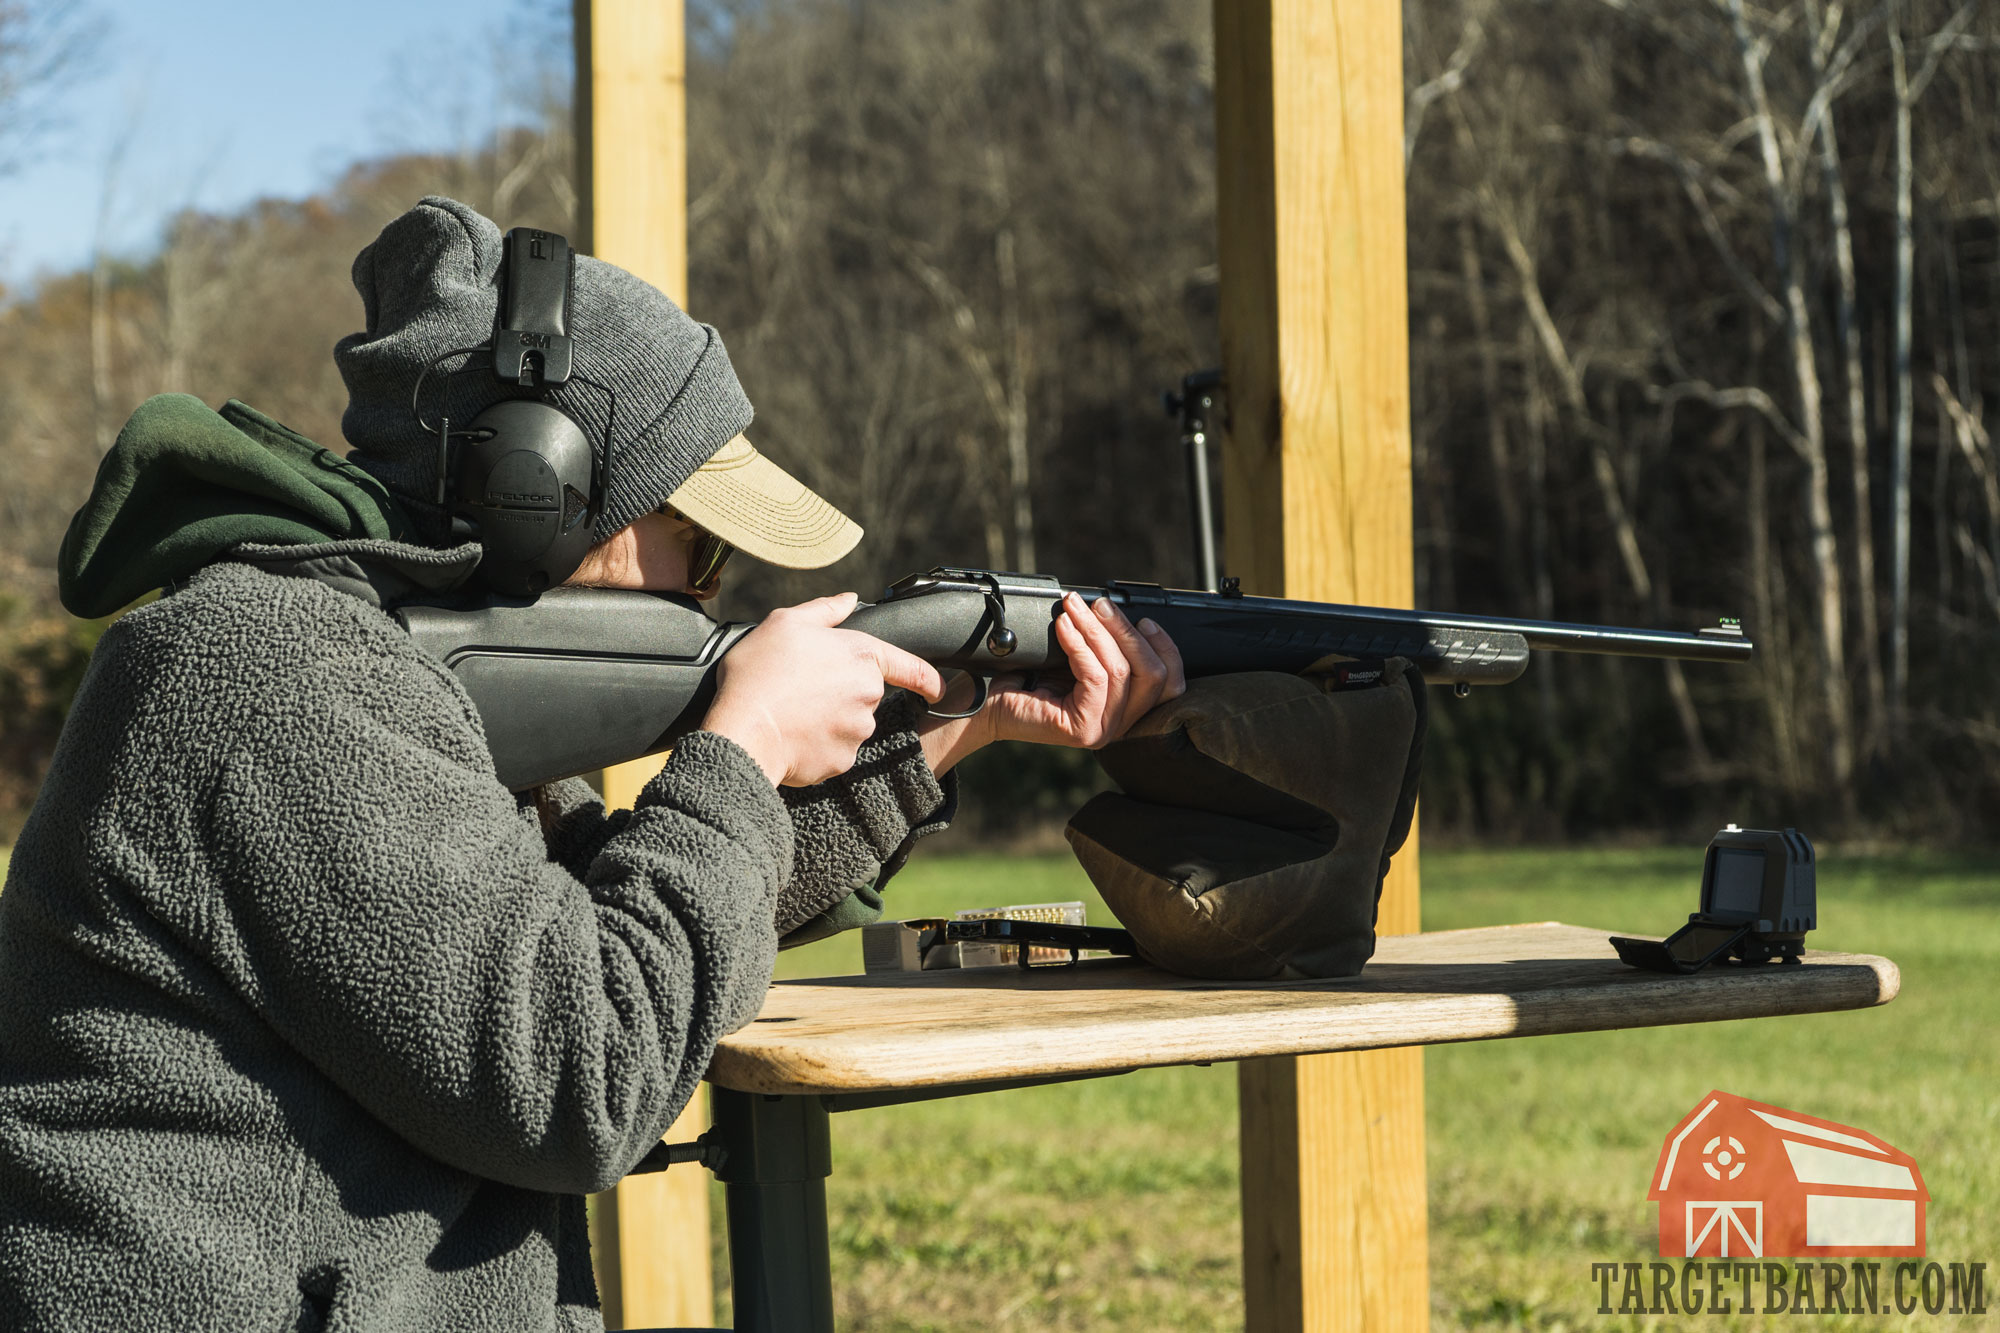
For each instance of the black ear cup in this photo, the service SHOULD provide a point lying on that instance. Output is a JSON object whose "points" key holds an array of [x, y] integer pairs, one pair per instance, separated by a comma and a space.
{"points": [[525, 476]]}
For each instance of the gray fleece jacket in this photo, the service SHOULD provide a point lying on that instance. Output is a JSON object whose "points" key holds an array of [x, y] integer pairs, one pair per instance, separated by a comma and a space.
{"points": [[304, 1021]]}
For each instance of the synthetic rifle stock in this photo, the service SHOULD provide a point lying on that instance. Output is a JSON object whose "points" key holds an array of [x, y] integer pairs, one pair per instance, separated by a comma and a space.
{"points": [[584, 678]]}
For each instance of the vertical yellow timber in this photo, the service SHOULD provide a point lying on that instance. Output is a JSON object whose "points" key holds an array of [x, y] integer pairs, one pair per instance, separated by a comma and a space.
{"points": [[1317, 488], [650, 1235]]}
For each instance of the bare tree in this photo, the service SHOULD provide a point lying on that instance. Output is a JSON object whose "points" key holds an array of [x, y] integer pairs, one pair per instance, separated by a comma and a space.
{"points": [[1569, 379], [44, 48], [1811, 437], [1969, 433], [102, 426], [1830, 68], [1907, 91]]}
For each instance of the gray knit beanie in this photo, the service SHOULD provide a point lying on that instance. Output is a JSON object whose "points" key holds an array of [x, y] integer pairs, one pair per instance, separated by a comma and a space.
{"points": [[430, 283]]}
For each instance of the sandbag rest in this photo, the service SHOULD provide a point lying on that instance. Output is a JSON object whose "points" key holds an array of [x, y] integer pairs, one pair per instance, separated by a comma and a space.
{"points": [[1256, 818]]}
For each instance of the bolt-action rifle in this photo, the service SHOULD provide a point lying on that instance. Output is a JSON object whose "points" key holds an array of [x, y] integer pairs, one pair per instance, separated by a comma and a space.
{"points": [[582, 678]]}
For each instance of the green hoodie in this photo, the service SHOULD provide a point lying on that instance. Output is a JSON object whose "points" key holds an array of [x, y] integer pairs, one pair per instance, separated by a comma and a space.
{"points": [[184, 484]]}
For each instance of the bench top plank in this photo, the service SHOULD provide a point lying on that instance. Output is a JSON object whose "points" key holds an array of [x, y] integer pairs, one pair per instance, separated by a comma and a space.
{"points": [[934, 1029]]}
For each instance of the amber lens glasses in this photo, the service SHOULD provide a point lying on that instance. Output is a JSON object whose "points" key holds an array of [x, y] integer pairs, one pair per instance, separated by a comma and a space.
{"points": [[707, 554]]}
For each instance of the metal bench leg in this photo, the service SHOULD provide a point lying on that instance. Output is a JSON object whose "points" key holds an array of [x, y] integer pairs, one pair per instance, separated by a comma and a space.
{"points": [[779, 1156]]}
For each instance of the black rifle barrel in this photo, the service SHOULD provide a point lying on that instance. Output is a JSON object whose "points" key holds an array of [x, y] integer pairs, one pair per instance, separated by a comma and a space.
{"points": [[1226, 631], [1721, 644]]}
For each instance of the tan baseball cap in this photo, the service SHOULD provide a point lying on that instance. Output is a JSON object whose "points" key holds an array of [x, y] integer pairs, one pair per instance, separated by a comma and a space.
{"points": [[763, 510]]}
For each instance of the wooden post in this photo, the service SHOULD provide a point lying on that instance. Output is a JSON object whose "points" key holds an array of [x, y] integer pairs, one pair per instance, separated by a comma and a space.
{"points": [[631, 137], [650, 1235], [1317, 495]]}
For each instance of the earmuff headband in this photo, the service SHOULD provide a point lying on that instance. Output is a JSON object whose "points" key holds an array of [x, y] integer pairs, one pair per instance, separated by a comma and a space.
{"points": [[531, 346]]}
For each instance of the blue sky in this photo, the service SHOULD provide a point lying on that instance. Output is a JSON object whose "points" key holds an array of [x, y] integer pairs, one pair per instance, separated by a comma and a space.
{"points": [[219, 102]]}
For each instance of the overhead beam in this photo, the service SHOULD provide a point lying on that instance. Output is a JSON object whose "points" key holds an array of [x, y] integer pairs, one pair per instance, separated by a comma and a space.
{"points": [[1317, 505], [649, 1236]]}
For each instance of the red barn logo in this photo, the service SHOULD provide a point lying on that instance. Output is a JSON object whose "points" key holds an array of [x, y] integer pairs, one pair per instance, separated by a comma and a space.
{"points": [[1740, 1180]]}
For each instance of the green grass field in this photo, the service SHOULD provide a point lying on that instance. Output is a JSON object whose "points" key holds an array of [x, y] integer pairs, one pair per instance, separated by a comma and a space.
{"points": [[1111, 1204]]}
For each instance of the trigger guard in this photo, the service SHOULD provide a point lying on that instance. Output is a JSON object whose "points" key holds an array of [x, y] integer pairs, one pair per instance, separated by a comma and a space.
{"points": [[981, 686]]}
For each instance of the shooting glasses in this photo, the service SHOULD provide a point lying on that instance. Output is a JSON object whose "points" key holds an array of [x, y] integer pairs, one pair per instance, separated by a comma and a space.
{"points": [[707, 554]]}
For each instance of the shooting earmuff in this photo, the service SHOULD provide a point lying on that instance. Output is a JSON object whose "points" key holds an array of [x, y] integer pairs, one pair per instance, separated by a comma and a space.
{"points": [[524, 481]]}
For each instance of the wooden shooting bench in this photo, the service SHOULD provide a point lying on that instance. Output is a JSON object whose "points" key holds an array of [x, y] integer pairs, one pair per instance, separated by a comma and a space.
{"points": [[842, 1044], [1317, 499]]}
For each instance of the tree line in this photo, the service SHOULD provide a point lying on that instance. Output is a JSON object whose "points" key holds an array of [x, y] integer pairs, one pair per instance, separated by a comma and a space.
{"points": [[1703, 316]]}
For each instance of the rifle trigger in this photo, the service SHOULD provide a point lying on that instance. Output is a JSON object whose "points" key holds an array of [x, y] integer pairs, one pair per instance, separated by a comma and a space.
{"points": [[981, 686]]}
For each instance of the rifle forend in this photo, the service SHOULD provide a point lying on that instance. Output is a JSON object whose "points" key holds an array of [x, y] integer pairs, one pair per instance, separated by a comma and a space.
{"points": [[583, 678]]}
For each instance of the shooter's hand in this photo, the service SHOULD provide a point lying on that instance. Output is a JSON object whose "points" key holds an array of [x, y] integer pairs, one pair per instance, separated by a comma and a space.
{"points": [[800, 695], [1121, 672]]}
